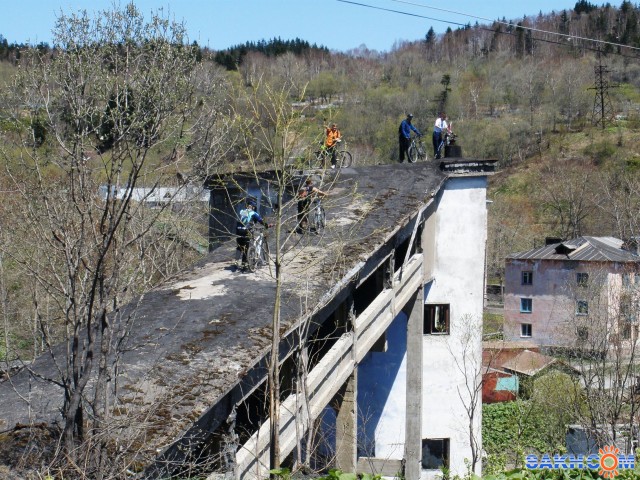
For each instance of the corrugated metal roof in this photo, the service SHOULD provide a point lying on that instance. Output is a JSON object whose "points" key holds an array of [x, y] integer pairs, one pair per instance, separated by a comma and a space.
{"points": [[583, 249], [529, 363]]}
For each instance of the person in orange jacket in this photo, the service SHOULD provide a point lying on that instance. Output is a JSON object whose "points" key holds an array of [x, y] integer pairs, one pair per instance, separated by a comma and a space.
{"points": [[333, 137]]}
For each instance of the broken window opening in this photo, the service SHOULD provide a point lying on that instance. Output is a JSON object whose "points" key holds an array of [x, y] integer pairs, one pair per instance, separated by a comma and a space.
{"points": [[436, 319], [435, 453]]}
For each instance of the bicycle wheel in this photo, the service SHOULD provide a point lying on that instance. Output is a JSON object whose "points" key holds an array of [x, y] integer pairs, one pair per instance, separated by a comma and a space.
{"points": [[264, 254], [319, 219], [319, 159], [412, 153], [422, 151], [252, 258], [344, 159]]}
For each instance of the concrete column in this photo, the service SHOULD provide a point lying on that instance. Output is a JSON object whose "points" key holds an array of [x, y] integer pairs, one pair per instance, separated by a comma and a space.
{"points": [[413, 431], [346, 425]]}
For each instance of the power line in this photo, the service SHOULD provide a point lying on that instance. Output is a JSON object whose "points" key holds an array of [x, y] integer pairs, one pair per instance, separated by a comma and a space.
{"points": [[568, 36], [510, 25], [401, 12]]}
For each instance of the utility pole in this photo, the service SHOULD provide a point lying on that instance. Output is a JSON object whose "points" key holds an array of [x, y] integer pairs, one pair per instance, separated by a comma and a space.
{"points": [[602, 108]]}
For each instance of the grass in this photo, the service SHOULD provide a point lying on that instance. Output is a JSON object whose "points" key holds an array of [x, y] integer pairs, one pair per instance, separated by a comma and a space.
{"points": [[492, 323]]}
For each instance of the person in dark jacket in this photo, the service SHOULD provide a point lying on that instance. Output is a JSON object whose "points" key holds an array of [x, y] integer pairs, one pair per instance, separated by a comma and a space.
{"points": [[248, 217], [305, 194], [404, 136]]}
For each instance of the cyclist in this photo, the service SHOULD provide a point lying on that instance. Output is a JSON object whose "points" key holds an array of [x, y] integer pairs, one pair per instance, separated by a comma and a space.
{"points": [[248, 217], [404, 136], [304, 200], [332, 138], [440, 129]]}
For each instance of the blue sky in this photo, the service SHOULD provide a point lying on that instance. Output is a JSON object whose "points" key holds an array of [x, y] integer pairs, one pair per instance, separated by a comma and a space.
{"points": [[333, 23]]}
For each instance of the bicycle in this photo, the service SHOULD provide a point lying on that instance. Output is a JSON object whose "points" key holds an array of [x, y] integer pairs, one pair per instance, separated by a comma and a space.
{"points": [[343, 157], [319, 220], [417, 150], [258, 251], [447, 139]]}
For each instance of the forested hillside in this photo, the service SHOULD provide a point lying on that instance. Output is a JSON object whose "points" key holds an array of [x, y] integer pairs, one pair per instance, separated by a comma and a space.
{"points": [[110, 108]]}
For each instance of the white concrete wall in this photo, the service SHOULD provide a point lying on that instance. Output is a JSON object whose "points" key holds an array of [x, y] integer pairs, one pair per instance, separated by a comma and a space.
{"points": [[460, 238]]}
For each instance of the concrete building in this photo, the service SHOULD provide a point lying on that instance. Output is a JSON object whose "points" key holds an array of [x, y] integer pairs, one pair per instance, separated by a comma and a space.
{"points": [[381, 321], [579, 293]]}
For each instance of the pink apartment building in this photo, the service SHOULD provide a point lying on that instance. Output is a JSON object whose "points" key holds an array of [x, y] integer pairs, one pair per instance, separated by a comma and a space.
{"points": [[579, 293]]}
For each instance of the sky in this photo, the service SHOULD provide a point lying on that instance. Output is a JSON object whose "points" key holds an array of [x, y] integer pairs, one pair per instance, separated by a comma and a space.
{"points": [[337, 24]]}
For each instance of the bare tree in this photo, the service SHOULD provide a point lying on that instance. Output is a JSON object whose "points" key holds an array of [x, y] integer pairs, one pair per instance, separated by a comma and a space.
{"points": [[101, 126], [602, 313], [568, 197], [466, 352]]}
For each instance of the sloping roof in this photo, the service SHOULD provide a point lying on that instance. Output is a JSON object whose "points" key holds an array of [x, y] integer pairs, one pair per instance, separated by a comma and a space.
{"points": [[509, 344], [583, 249], [529, 363], [195, 341]]}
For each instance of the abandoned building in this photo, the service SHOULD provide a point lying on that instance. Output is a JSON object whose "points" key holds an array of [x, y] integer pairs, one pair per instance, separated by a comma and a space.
{"points": [[580, 293], [377, 312]]}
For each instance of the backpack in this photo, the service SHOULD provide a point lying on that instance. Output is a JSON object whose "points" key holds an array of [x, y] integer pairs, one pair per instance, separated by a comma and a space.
{"points": [[245, 216]]}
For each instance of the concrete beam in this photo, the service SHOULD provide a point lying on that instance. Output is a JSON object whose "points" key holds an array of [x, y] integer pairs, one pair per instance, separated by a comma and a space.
{"points": [[346, 425], [413, 429], [331, 372]]}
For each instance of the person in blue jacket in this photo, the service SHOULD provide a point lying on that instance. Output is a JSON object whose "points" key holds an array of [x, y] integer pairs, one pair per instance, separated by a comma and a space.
{"points": [[404, 136], [248, 217]]}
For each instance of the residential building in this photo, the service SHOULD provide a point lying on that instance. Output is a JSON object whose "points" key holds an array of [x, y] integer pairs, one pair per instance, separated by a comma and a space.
{"points": [[578, 294]]}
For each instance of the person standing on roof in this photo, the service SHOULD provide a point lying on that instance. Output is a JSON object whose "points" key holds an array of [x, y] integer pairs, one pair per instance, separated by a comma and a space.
{"points": [[333, 137], [305, 194], [404, 136], [440, 128], [248, 218]]}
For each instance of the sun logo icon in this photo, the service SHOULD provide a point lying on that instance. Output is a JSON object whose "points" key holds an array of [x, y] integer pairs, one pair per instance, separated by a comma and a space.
{"points": [[609, 461]]}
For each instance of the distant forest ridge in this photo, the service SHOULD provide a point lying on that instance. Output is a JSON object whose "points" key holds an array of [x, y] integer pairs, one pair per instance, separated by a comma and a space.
{"points": [[587, 20]]}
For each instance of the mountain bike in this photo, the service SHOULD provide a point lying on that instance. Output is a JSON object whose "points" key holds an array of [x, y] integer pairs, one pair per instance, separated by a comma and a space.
{"points": [[319, 219], [417, 150], [323, 157], [258, 251], [446, 139]]}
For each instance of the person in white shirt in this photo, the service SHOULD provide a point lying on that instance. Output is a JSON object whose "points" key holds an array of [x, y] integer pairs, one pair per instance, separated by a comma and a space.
{"points": [[440, 127]]}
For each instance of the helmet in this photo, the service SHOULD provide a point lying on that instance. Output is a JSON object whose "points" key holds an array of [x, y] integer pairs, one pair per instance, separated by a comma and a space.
{"points": [[252, 203], [410, 115]]}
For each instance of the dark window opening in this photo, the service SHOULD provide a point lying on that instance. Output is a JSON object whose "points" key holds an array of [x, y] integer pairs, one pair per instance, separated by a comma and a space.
{"points": [[400, 253], [626, 331], [583, 334], [527, 278], [251, 413], [526, 305], [525, 330], [370, 289], [435, 453], [582, 307], [582, 279], [401, 250], [436, 319], [380, 345]]}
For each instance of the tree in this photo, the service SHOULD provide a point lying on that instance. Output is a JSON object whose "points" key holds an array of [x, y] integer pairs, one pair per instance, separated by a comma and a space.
{"points": [[430, 37], [467, 358], [601, 314], [568, 197], [88, 241]]}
